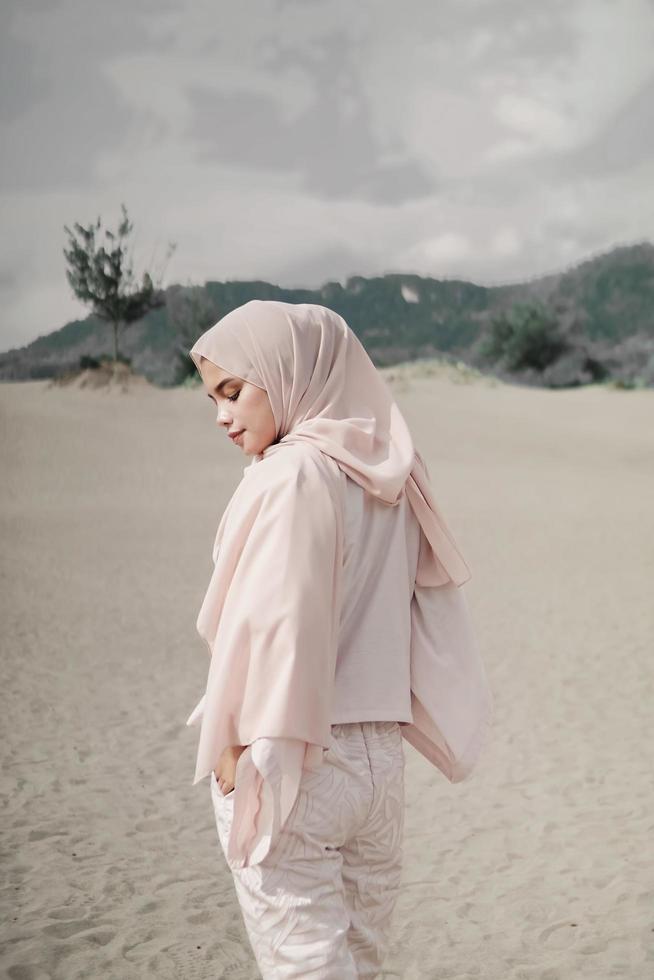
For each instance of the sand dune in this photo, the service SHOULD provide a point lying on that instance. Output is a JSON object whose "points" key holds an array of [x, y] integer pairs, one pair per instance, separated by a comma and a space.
{"points": [[540, 867]]}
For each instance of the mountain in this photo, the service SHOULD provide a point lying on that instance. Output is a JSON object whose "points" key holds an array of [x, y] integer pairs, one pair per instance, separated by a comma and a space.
{"points": [[609, 300]]}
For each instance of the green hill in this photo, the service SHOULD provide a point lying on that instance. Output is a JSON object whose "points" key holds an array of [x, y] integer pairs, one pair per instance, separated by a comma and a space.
{"points": [[607, 302]]}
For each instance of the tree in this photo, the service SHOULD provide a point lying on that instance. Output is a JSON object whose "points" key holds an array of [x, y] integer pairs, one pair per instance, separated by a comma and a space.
{"points": [[191, 311], [104, 277], [527, 336]]}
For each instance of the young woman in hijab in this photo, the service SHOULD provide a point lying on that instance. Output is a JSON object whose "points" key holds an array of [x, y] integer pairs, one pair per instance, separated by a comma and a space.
{"points": [[336, 627]]}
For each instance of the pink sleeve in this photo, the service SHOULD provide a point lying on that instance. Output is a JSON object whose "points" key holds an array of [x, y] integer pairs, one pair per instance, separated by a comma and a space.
{"points": [[267, 779]]}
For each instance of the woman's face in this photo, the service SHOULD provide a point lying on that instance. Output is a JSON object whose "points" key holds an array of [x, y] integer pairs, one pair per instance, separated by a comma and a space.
{"points": [[241, 406]]}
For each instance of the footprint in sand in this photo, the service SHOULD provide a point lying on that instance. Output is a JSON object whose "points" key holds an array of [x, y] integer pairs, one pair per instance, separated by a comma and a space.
{"points": [[96, 932], [26, 971], [560, 935]]}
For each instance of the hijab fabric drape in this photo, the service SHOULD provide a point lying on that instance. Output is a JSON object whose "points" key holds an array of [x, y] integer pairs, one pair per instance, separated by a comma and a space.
{"points": [[271, 613]]}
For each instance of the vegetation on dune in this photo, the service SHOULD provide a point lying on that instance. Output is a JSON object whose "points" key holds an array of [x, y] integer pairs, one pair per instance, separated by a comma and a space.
{"points": [[103, 277], [590, 324]]}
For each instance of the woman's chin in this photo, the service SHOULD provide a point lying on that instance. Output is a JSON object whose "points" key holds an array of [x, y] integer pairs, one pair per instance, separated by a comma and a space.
{"points": [[259, 450]]}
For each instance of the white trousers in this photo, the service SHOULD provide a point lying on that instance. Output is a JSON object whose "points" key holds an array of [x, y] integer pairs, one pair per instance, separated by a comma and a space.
{"points": [[319, 905]]}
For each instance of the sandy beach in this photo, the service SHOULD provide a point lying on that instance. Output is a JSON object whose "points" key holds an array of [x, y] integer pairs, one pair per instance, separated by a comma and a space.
{"points": [[540, 867]]}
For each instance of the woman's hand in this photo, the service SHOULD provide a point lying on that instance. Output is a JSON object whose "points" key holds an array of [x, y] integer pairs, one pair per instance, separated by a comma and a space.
{"points": [[225, 771]]}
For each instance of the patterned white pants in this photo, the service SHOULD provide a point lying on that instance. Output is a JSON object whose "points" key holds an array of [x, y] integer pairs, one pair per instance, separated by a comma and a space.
{"points": [[319, 905]]}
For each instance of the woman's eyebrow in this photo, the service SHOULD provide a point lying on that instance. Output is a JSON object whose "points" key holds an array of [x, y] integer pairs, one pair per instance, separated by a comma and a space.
{"points": [[221, 385]]}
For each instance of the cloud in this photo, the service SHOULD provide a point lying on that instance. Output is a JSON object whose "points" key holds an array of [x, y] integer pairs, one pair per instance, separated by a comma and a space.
{"points": [[306, 141], [59, 110], [555, 109], [444, 252], [506, 242], [625, 141]]}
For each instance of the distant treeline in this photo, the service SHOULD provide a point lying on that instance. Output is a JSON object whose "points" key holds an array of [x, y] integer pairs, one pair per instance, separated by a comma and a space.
{"points": [[592, 323]]}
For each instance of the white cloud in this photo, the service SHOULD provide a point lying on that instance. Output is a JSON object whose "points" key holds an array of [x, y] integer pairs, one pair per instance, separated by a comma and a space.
{"points": [[438, 256], [542, 125], [505, 243], [444, 139], [557, 107]]}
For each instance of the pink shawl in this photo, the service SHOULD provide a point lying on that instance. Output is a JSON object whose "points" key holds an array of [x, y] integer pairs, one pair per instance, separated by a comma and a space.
{"points": [[271, 613]]}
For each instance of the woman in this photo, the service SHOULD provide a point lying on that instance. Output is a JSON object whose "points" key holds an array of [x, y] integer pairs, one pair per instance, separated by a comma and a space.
{"points": [[336, 627]]}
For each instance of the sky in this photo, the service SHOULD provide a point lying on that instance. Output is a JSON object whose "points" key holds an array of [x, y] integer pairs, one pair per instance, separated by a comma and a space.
{"points": [[307, 141]]}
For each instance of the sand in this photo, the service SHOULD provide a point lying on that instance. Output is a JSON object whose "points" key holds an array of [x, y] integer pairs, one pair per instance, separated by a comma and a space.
{"points": [[539, 867]]}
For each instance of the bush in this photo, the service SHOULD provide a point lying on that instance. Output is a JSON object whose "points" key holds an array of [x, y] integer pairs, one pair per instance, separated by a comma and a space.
{"points": [[576, 367], [86, 361], [524, 337], [191, 310]]}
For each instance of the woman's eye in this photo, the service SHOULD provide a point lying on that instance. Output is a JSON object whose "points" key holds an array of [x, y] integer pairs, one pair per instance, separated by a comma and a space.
{"points": [[232, 398]]}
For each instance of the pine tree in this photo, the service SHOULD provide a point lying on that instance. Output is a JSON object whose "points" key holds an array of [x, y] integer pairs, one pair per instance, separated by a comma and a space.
{"points": [[103, 277]]}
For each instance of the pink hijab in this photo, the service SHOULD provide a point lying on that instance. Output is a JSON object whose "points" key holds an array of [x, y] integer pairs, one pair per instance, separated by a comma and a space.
{"points": [[271, 613]]}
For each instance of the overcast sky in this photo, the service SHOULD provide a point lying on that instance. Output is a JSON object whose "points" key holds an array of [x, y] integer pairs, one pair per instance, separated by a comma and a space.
{"points": [[298, 142]]}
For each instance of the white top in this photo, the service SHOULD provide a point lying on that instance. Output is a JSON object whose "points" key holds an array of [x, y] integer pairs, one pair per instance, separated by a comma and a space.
{"points": [[372, 681]]}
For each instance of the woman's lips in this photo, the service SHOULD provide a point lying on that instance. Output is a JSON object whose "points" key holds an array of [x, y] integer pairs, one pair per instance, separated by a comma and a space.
{"points": [[237, 435]]}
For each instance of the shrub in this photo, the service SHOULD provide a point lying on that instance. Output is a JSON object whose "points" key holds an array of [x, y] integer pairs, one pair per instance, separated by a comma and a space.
{"points": [[86, 361], [524, 337]]}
